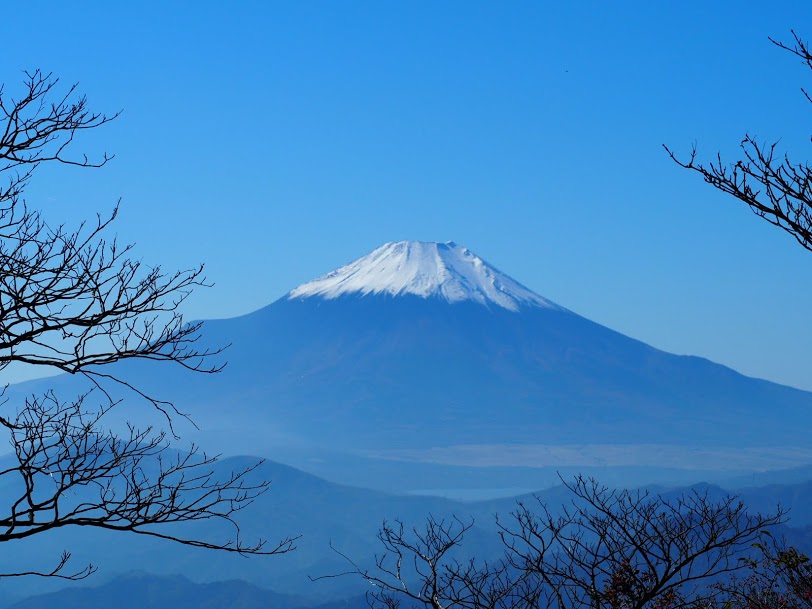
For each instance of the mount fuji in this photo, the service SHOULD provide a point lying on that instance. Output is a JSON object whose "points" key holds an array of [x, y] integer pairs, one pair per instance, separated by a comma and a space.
{"points": [[424, 353]]}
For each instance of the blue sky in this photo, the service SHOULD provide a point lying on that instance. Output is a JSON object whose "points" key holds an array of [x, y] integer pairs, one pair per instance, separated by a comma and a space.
{"points": [[275, 141]]}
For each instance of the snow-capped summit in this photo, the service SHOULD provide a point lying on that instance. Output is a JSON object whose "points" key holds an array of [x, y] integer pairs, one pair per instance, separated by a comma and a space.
{"points": [[426, 269]]}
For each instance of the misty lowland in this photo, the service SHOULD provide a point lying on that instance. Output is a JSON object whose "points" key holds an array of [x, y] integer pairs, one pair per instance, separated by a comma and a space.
{"points": [[244, 365]]}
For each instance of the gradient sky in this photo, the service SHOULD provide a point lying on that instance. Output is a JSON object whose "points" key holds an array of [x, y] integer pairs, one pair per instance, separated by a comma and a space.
{"points": [[276, 141]]}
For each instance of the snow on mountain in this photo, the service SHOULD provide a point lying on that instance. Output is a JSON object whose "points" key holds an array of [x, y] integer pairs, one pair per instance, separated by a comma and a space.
{"points": [[428, 270]]}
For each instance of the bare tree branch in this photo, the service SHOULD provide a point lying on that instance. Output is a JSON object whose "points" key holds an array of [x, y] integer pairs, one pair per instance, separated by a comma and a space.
{"points": [[629, 549], [419, 565], [76, 301], [773, 186], [779, 578], [606, 550]]}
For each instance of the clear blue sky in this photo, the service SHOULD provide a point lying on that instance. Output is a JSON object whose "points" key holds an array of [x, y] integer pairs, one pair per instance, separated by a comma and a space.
{"points": [[275, 141]]}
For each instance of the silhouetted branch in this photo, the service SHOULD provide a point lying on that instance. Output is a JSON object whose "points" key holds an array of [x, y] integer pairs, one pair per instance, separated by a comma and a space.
{"points": [[774, 187], [629, 548], [57, 571], [75, 301], [67, 472], [418, 565], [607, 549]]}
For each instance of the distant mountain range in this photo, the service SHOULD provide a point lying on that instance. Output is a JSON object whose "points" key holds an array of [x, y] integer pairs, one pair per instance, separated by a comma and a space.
{"points": [[139, 590], [323, 513], [297, 503]]}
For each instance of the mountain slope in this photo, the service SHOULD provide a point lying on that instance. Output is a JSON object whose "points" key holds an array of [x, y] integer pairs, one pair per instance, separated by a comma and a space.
{"points": [[409, 371], [324, 514], [420, 346]]}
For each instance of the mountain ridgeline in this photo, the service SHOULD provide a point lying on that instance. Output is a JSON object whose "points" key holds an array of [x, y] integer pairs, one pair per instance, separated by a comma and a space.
{"points": [[427, 345], [424, 345]]}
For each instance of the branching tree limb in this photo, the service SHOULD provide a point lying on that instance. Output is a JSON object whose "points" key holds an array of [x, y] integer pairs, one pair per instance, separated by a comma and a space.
{"points": [[606, 550], [629, 549], [779, 577], [771, 184], [74, 301], [780, 191], [419, 565]]}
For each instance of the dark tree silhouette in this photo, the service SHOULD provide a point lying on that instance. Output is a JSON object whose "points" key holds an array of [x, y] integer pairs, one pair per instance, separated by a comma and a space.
{"points": [[779, 578], [631, 549], [780, 191], [773, 186], [74, 301], [423, 567], [606, 550]]}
